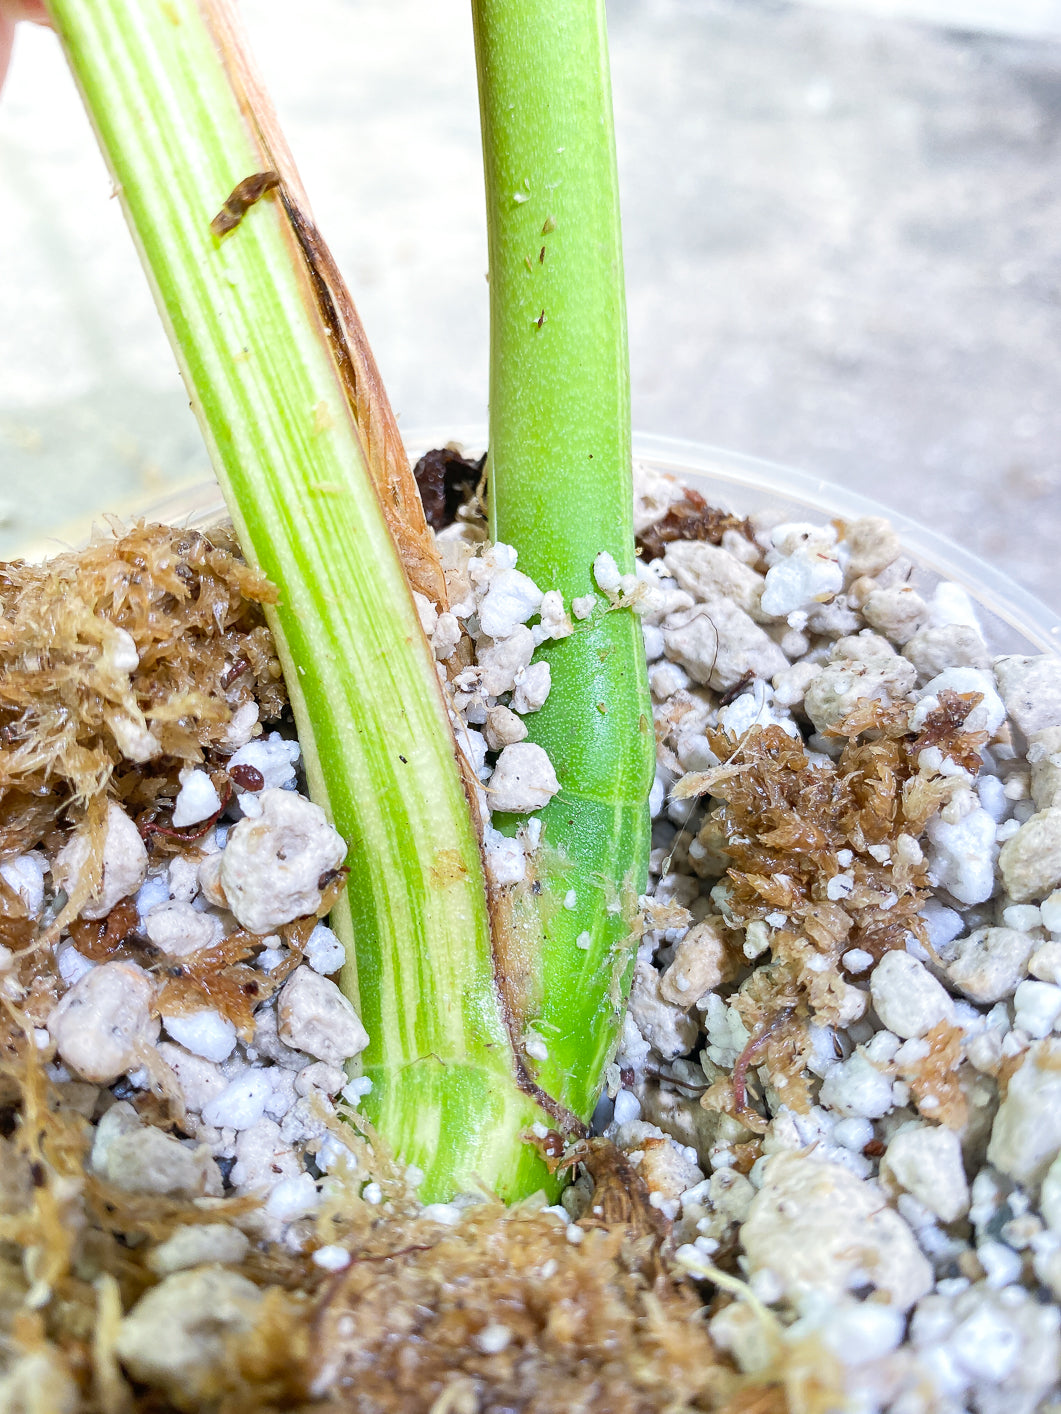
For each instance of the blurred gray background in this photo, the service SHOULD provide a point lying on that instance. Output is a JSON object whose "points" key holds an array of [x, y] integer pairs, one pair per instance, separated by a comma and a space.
{"points": [[842, 245]]}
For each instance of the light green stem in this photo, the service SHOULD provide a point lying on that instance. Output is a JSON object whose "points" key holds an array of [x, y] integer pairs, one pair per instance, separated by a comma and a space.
{"points": [[240, 311], [560, 492]]}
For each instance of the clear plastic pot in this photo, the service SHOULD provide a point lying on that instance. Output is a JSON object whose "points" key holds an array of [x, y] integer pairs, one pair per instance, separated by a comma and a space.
{"points": [[1012, 620]]}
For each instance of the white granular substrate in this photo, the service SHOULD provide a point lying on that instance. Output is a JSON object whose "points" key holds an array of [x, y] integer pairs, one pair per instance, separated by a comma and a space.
{"points": [[924, 1258]]}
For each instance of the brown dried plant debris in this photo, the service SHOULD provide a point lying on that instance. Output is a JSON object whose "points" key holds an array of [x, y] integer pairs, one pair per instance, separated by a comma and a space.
{"points": [[691, 518], [788, 827], [507, 1311], [935, 1080], [503, 1306], [446, 481], [136, 650]]}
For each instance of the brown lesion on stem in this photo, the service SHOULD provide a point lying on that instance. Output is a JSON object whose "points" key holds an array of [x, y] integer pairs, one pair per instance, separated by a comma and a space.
{"points": [[512, 951], [240, 200]]}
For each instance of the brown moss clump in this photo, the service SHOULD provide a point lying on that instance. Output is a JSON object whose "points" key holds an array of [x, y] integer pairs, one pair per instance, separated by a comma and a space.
{"points": [[502, 1312], [579, 1328], [78, 716], [788, 827], [691, 518]]}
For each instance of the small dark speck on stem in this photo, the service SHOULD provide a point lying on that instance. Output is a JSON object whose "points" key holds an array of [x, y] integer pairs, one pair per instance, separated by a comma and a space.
{"points": [[541, 256], [402, 759], [541, 319]]}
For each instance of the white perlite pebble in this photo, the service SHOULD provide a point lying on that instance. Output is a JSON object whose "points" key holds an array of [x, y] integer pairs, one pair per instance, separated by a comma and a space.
{"points": [[856, 1088], [241, 728], [627, 1107], [1044, 755], [906, 996], [1050, 1197], [1037, 1005], [315, 1017], [25, 874], [719, 644], [898, 611], [810, 574], [103, 1022], [669, 1029], [494, 1338], [272, 756], [178, 928], [292, 1198], [141, 1159], [324, 952], [962, 856], [1026, 1134], [1031, 861], [872, 545], [505, 861], [952, 604], [241, 1103], [271, 867], [857, 960], [72, 965], [606, 573], [1025, 917], [523, 779], [124, 863], [553, 621], [858, 1332], [500, 662], [503, 728], [699, 964], [1031, 690], [511, 599], [205, 1033], [989, 963], [198, 1079], [196, 800], [332, 1258], [818, 1228], [942, 925], [708, 572], [1044, 963], [841, 683], [198, 1244], [1050, 912], [263, 1158], [926, 1161], [933, 650], [178, 1333], [532, 689], [1001, 1343]]}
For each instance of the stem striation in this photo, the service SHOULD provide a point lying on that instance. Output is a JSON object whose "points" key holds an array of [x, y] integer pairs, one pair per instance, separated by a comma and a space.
{"points": [[560, 492]]}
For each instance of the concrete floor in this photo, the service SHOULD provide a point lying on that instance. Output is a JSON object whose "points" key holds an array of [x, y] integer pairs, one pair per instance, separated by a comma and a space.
{"points": [[840, 240]]}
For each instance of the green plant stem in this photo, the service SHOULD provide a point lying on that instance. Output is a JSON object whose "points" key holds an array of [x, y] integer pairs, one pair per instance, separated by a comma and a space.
{"points": [[179, 135], [560, 492]]}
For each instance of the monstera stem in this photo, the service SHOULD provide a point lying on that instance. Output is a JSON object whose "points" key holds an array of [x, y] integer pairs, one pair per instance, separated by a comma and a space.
{"points": [[560, 492], [304, 447]]}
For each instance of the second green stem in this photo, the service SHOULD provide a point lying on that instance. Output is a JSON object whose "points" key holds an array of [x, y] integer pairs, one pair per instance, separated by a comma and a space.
{"points": [[560, 492]]}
